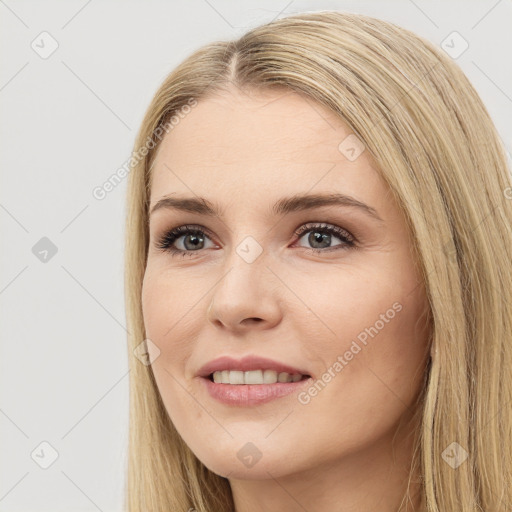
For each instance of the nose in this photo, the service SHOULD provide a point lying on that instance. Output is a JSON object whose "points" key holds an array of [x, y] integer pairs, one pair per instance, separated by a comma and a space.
{"points": [[247, 296]]}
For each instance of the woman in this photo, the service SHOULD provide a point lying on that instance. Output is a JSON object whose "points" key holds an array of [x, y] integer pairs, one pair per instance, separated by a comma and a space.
{"points": [[318, 274]]}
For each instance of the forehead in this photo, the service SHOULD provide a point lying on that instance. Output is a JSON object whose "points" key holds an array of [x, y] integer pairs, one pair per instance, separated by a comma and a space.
{"points": [[228, 125], [272, 141]]}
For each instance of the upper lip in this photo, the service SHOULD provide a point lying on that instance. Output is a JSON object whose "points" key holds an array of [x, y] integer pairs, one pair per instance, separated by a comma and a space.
{"points": [[246, 364]]}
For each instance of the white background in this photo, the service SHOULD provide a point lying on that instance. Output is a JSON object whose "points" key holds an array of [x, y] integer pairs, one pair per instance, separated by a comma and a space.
{"points": [[68, 122]]}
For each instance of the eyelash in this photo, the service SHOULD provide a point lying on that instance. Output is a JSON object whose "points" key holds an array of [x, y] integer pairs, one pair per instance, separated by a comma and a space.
{"points": [[165, 242]]}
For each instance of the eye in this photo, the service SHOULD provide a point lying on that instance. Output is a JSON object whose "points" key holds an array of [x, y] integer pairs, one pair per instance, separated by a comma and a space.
{"points": [[320, 237], [193, 240]]}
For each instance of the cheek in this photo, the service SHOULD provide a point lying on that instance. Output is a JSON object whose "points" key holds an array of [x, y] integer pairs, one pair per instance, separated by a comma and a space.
{"points": [[345, 302], [372, 371], [155, 301], [170, 315], [373, 320], [167, 300], [168, 321], [403, 359]]}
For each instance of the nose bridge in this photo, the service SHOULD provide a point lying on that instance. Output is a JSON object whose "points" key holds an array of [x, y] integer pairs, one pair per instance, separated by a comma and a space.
{"points": [[247, 287], [249, 239], [246, 268]]}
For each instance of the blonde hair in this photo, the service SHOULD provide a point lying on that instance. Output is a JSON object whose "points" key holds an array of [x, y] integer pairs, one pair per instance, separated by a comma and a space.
{"points": [[437, 148]]}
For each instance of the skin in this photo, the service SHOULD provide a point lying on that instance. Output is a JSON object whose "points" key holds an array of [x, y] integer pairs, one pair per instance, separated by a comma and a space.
{"points": [[244, 151]]}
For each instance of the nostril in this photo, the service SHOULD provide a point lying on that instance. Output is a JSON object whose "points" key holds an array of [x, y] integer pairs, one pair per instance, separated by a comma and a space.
{"points": [[253, 319]]}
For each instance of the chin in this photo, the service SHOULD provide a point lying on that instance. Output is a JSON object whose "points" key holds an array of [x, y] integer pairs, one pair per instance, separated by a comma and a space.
{"points": [[245, 462], [232, 468]]}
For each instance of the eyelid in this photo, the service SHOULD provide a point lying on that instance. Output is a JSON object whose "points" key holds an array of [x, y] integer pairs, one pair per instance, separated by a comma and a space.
{"points": [[308, 226]]}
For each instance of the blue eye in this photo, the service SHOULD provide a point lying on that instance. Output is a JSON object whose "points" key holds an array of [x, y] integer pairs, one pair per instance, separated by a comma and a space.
{"points": [[194, 238]]}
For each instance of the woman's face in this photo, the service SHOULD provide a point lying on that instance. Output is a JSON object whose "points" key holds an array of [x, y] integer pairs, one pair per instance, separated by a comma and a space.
{"points": [[348, 315]]}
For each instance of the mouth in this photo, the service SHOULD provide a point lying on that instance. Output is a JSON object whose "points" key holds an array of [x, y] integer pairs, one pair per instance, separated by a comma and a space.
{"points": [[254, 377], [252, 380], [253, 388]]}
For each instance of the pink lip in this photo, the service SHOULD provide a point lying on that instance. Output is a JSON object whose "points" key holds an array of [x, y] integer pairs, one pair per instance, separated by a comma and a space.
{"points": [[252, 394], [249, 394], [246, 364]]}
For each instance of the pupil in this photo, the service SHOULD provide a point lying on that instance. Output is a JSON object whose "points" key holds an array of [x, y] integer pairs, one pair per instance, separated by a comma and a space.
{"points": [[195, 241]]}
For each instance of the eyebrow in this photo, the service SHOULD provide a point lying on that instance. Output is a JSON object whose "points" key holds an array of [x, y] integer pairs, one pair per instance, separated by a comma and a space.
{"points": [[283, 206]]}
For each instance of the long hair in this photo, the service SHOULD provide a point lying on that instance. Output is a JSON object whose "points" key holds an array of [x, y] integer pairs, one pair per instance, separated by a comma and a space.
{"points": [[438, 150]]}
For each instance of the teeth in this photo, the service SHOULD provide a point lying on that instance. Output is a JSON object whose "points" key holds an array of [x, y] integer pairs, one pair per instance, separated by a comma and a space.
{"points": [[283, 377], [254, 377], [269, 377]]}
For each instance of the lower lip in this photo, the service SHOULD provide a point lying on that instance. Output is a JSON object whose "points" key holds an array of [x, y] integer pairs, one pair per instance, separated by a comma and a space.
{"points": [[252, 394]]}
